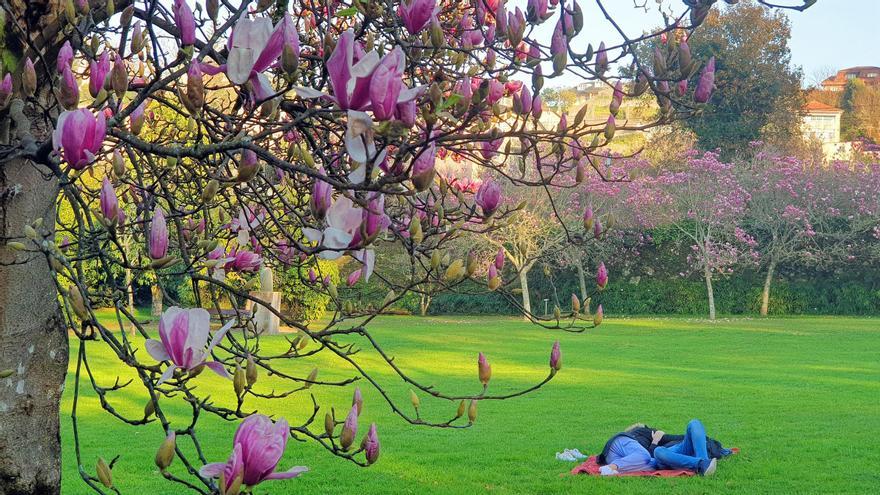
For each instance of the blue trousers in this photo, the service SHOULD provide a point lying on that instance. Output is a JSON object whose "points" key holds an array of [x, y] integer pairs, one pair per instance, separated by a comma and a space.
{"points": [[689, 454]]}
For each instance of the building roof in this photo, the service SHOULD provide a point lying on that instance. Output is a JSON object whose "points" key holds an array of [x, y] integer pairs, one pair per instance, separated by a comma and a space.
{"points": [[867, 73], [818, 107]]}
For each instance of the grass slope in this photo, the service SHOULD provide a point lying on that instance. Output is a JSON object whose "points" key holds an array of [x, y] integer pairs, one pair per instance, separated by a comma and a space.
{"points": [[800, 397]]}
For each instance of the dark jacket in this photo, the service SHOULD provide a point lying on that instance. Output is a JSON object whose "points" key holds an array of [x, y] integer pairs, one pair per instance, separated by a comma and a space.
{"points": [[644, 436]]}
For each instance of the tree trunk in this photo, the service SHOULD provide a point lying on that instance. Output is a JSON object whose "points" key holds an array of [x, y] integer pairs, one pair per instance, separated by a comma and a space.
{"points": [[33, 338], [424, 303], [156, 293], [765, 295], [524, 284], [708, 274], [582, 280]]}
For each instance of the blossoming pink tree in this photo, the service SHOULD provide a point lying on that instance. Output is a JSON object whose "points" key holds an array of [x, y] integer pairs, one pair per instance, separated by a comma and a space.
{"points": [[790, 207], [237, 136], [706, 203]]}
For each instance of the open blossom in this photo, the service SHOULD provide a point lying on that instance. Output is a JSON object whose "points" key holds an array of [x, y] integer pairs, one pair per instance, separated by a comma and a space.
{"points": [[488, 197], [242, 260], [78, 136], [183, 335], [257, 448], [416, 14], [342, 221], [253, 47], [186, 23]]}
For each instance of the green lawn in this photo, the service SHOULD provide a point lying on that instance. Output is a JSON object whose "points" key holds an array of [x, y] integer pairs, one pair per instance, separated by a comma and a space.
{"points": [[800, 397]]}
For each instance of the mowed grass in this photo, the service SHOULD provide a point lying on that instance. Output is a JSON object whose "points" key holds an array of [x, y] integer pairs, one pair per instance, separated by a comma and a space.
{"points": [[800, 397]]}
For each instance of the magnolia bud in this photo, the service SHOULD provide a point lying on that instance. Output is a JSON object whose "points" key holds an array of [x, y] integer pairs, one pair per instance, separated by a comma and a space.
{"points": [[460, 412], [485, 370], [597, 318], [415, 230], [357, 400], [248, 166], [414, 399], [118, 163], [213, 8], [210, 190], [239, 380], [77, 302], [119, 77], [105, 474], [29, 78], [556, 357], [471, 264], [575, 304], [454, 271], [149, 408], [313, 375], [165, 454], [251, 371], [472, 411], [329, 424], [349, 429]]}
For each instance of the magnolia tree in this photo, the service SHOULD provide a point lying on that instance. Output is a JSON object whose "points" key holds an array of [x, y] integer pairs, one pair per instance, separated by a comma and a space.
{"points": [[790, 210], [706, 203], [210, 142]]}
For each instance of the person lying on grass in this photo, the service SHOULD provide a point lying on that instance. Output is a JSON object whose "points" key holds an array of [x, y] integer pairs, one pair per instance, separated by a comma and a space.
{"points": [[642, 448]]}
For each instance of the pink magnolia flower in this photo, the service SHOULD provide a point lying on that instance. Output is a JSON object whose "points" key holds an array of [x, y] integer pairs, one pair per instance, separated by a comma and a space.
{"points": [[65, 57], [186, 23], [158, 235], [536, 11], [422, 174], [136, 118], [79, 136], [253, 47], [257, 448], [243, 261], [110, 203], [371, 445], [321, 198], [342, 221], [556, 357], [602, 276], [488, 197], [183, 334], [416, 14], [706, 83], [499, 259], [68, 91], [350, 69], [386, 84], [98, 70]]}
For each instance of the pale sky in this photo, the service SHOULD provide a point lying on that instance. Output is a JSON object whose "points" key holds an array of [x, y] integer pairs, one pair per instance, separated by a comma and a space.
{"points": [[831, 34]]}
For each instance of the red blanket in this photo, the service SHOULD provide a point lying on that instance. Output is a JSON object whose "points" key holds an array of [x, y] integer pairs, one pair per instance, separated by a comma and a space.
{"points": [[590, 466]]}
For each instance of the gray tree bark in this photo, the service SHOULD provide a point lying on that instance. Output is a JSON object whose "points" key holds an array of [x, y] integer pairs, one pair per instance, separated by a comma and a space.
{"points": [[524, 284], [765, 294], [156, 293], [33, 340], [709, 291], [582, 281]]}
